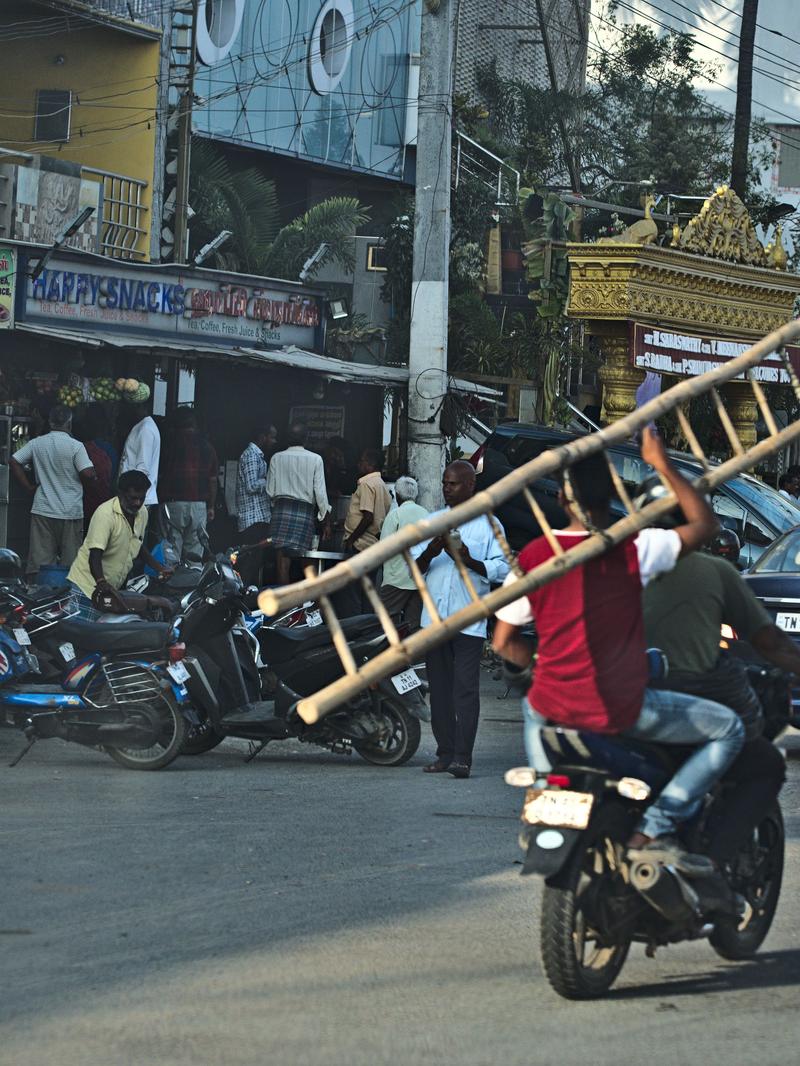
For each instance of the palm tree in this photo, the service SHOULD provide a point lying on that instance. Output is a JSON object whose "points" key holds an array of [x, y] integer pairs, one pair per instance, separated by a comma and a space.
{"points": [[245, 202]]}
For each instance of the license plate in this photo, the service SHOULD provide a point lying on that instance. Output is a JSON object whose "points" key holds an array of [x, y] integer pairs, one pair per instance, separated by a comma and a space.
{"points": [[178, 673], [789, 623], [22, 637], [566, 810], [67, 652], [313, 618], [406, 681]]}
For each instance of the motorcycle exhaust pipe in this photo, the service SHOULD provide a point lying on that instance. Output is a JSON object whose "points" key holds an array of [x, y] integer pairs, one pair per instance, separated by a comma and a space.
{"points": [[665, 890]]}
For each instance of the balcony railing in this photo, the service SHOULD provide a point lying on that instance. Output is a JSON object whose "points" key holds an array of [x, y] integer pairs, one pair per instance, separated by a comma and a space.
{"points": [[123, 233]]}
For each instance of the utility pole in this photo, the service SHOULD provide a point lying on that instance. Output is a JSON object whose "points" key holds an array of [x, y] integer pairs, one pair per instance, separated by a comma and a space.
{"points": [[744, 98], [427, 360], [184, 129]]}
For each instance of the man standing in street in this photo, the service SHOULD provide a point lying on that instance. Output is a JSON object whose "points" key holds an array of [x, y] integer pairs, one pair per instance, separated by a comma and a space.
{"points": [[369, 505], [188, 487], [398, 591], [61, 468], [454, 668], [296, 488], [142, 450], [253, 509]]}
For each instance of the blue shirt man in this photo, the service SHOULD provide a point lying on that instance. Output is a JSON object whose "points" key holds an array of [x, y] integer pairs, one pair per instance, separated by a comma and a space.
{"points": [[454, 668]]}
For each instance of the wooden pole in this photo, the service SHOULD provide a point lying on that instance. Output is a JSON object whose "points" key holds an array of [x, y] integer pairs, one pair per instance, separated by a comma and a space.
{"points": [[273, 601]]}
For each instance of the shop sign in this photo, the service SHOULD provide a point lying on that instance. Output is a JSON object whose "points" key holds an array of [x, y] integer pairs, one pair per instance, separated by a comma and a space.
{"points": [[8, 278], [664, 351], [152, 302]]}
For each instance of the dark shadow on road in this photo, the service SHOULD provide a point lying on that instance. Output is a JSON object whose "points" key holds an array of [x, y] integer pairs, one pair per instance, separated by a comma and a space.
{"points": [[771, 969]]}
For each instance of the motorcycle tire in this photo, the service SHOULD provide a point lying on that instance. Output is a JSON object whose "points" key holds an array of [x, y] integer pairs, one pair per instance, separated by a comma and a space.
{"points": [[740, 940], [200, 743], [402, 741], [168, 746], [563, 928]]}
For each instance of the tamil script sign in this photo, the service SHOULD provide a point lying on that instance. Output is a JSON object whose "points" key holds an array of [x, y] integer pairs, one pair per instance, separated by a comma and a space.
{"points": [[151, 301], [664, 351], [8, 277]]}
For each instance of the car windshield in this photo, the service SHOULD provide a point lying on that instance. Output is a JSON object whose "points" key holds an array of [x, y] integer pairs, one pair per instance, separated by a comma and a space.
{"points": [[782, 557], [766, 502]]}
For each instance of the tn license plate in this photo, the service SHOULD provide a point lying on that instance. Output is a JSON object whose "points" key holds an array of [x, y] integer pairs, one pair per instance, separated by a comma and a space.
{"points": [[178, 673], [406, 681], [789, 623], [567, 810]]}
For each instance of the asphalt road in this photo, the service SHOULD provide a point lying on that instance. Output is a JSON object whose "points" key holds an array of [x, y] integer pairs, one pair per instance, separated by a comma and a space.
{"points": [[310, 909]]}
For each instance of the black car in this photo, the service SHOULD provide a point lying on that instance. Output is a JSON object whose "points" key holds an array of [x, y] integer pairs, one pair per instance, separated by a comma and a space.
{"points": [[757, 513]]}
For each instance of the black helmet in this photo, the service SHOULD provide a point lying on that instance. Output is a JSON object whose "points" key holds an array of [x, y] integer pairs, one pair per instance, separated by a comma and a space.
{"points": [[10, 565], [650, 490], [727, 545]]}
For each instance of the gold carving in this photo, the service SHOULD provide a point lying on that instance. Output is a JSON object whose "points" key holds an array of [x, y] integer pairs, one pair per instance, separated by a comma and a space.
{"points": [[724, 230], [644, 231], [743, 409], [620, 379], [775, 251]]}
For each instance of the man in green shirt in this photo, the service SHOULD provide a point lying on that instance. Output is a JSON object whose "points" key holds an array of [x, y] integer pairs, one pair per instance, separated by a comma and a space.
{"points": [[684, 611]]}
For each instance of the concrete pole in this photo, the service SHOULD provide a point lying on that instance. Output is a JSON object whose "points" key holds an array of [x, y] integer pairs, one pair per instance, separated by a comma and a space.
{"points": [[427, 360]]}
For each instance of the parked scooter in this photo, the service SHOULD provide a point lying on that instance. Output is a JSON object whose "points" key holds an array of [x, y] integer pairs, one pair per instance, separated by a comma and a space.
{"points": [[223, 678], [91, 684]]}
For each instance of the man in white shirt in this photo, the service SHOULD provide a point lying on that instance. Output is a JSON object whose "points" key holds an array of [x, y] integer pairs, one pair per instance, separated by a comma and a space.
{"points": [[398, 590], [454, 668], [296, 487], [61, 467], [142, 451]]}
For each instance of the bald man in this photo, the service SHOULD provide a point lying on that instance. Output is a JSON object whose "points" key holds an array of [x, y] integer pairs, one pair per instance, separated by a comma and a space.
{"points": [[454, 668]]}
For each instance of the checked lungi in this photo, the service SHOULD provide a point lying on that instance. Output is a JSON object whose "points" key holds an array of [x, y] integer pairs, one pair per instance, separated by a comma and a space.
{"points": [[293, 523]]}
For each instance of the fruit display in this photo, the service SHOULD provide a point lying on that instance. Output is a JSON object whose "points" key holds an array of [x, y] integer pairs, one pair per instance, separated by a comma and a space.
{"points": [[70, 395], [141, 393], [103, 389]]}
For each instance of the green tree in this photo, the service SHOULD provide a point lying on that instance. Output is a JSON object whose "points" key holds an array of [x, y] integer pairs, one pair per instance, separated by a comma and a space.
{"points": [[245, 202]]}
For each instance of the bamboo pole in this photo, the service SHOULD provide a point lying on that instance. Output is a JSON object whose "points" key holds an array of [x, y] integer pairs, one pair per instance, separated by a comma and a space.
{"points": [[727, 425], [691, 436], [414, 647], [455, 554], [379, 607], [272, 601], [337, 633], [505, 547], [541, 521], [422, 586], [794, 381], [763, 406], [619, 485]]}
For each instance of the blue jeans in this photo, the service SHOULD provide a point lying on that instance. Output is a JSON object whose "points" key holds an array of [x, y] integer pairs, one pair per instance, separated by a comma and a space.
{"points": [[668, 718]]}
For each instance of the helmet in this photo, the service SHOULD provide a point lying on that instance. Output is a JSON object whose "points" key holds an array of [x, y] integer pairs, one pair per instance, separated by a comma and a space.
{"points": [[650, 490], [10, 565], [726, 544]]}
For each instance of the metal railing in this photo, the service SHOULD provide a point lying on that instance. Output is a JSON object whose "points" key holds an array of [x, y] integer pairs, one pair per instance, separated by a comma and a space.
{"points": [[123, 234], [403, 653], [471, 159]]}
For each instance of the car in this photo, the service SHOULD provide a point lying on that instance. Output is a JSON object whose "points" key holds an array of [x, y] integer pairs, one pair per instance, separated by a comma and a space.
{"points": [[756, 512]]}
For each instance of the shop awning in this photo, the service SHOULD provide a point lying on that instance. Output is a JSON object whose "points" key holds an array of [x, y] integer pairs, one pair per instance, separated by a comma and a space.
{"points": [[291, 356]]}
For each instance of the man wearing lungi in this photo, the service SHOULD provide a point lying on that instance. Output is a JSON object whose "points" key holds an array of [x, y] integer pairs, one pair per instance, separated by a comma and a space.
{"points": [[296, 486]]}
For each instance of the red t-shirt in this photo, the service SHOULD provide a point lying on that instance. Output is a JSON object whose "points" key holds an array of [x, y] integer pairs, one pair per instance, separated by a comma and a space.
{"points": [[591, 668]]}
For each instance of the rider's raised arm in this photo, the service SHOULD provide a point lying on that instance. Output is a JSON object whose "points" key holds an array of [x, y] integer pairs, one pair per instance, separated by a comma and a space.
{"points": [[701, 524]]}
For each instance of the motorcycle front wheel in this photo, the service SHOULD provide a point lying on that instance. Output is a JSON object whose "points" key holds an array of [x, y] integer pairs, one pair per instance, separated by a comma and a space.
{"points": [[581, 958], [400, 738], [163, 732], [756, 874]]}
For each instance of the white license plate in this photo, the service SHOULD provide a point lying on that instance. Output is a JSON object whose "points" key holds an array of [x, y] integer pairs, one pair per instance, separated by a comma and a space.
{"points": [[21, 636], [567, 810], [789, 623], [178, 673], [406, 681], [313, 618]]}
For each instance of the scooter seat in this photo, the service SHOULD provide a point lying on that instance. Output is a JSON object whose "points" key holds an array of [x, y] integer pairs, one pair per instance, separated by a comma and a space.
{"points": [[282, 644], [122, 637]]}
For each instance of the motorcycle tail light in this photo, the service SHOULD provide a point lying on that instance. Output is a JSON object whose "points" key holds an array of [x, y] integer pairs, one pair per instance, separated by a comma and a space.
{"points": [[176, 652], [558, 780], [633, 789]]}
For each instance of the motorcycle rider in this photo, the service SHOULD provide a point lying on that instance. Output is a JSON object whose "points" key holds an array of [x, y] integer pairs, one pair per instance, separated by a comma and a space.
{"points": [[591, 669], [683, 613]]}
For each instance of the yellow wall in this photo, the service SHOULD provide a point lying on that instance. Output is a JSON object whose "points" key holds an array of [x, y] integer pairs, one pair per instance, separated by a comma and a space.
{"points": [[112, 73]]}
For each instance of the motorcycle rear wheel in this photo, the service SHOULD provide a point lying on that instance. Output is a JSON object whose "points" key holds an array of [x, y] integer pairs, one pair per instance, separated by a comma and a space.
{"points": [[574, 968], [764, 851], [167, 746], [402, 738]]}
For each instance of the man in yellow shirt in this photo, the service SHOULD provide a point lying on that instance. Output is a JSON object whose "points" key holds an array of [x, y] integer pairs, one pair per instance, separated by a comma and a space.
{"points": [[369, 505], [113, 542]]}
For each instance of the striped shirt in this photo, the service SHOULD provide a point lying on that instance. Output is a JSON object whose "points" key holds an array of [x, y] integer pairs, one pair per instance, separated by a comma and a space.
{"points": [[252, 498]]}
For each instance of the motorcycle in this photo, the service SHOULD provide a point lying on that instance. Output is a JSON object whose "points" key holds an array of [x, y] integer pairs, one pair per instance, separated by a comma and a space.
{"points": [[108, 687], [597, 902], [226, 652]]}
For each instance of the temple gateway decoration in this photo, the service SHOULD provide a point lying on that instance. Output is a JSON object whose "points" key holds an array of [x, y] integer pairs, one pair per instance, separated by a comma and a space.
{"points": [[679, 309]]}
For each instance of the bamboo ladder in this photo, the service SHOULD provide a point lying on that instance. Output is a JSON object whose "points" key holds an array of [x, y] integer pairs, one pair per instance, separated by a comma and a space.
{"points": [[402, 653]]}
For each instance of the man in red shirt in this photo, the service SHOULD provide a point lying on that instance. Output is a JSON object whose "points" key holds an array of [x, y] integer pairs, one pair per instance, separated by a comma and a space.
{"points": [[591, 668], [187, 486]]}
